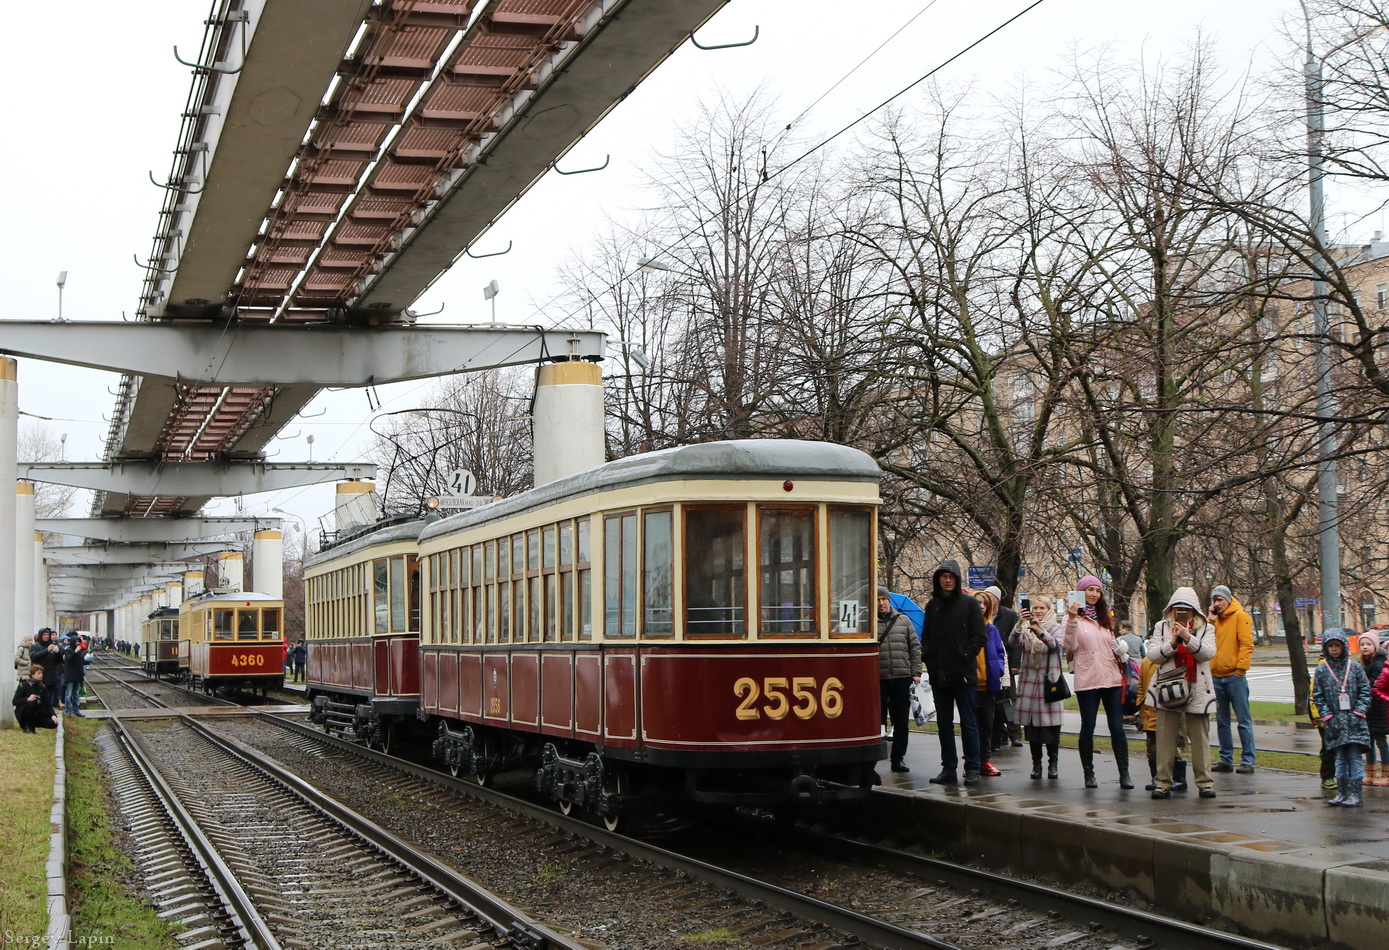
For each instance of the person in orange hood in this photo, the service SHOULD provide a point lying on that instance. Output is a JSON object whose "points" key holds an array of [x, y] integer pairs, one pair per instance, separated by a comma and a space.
{"points": [[1234, 649]]}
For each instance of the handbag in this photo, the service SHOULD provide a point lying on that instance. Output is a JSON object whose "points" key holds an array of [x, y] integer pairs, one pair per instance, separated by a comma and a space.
{"points": [[1172, 689], [1055, 690]]}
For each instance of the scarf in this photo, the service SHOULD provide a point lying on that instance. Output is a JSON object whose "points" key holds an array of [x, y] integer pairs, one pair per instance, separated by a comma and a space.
{"points": [[1091, 612], [1030, 643], [1185, 658]]}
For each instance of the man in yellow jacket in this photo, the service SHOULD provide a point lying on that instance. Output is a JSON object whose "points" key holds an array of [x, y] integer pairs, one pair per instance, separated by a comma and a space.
{"points": [[1234, 648]]}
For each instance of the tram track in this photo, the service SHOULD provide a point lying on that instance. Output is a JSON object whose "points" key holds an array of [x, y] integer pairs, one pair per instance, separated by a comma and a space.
{"points": [[292, 868], [921, 901]]}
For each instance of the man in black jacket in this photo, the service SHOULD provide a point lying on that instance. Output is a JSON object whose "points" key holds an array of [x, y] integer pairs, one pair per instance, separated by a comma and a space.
{"points": [[951, 637]]}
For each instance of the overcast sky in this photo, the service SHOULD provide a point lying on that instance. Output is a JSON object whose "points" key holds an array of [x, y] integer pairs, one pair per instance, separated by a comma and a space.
{"points": [[95, 96]]}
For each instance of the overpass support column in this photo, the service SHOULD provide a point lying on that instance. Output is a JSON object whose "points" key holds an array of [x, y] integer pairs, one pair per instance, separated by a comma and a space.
{"points": [[25, 607], [567, 421], [9, 440], [268, 563], [355, 505], [43, 610], [175, 589], [231, 570]]}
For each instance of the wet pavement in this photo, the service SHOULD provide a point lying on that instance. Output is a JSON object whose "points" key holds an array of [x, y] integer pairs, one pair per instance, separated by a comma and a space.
{"points": [[1276, 804]]}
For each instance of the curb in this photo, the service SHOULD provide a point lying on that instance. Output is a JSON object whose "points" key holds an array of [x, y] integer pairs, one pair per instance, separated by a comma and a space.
{"points": [[59, 922]]}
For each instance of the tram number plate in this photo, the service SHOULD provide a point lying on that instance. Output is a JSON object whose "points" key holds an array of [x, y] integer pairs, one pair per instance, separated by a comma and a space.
{"points": [[848, 616], [801, 696], [248, 659]]}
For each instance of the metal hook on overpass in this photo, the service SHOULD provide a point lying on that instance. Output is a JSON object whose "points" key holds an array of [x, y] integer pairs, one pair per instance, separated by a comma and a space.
{"points": [[756, 32], [478, 257], [242, 17], [584, 171]]}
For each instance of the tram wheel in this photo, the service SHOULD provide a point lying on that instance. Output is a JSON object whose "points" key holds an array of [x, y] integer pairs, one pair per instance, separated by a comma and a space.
{"points": [[487, 749], [621, 784], [566, 807], [387, 736]]}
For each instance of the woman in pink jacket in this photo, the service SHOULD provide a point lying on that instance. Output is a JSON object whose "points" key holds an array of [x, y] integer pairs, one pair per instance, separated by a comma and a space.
{"points": [[1100, 676]]}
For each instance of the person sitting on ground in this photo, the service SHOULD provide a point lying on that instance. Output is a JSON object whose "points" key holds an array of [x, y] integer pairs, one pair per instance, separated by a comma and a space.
{"points": [[33, 708]]}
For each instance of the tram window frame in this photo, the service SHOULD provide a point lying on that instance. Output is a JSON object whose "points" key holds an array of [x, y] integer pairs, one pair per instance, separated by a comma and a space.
{"points": [[565, 581], [381, 594], [265, 632], [736, 623], [583, 568], [400, 595], [254, 615], [658, 629], [412, 594], [621, 563], [216, 628], [835, 585], [768, 515]]}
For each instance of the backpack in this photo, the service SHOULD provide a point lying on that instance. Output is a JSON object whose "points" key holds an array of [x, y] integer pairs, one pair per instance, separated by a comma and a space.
{"points": [[1131, 689]]}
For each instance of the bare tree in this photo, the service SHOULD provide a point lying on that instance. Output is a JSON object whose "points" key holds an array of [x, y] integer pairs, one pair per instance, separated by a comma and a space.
{"points": [[38, 444]]}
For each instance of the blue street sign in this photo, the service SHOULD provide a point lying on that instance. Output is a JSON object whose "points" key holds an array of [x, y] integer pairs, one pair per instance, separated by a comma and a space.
{"points": [[983, 576], [1075, 555]]}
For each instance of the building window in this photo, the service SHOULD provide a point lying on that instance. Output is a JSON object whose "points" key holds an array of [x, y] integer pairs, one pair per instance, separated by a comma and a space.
{"points": [[1382, 296]]}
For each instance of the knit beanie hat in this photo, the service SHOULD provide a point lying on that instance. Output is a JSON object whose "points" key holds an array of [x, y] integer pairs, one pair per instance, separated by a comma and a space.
{"points": [[997, 593], [882, 592], [1089, 580], [1220, 590]]}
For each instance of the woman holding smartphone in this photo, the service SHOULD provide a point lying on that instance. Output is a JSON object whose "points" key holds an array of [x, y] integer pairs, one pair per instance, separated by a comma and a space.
{"points": [[1182, 645], [1100, 675], [1038, 635]]}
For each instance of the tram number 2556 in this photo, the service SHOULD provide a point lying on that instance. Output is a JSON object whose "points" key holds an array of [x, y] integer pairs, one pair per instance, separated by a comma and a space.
{"points": [[248, 659], [806, 697]]}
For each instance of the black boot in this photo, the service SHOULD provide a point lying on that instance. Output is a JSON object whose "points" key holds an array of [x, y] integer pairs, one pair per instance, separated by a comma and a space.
{"points": [[1121, 758], [1152, 776], [1053, 766], [1179, 775], [1087, 767], [1036, 764]]}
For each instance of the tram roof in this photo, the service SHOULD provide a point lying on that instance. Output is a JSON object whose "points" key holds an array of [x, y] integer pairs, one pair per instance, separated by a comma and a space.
{"points": [[387, 534], [742, 458]]}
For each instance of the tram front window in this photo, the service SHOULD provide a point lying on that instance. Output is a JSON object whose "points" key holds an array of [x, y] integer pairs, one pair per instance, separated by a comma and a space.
{"points": [[270, 623], [247, 627], [786, 550], [715, 590], [851, 565], [222, 621]]}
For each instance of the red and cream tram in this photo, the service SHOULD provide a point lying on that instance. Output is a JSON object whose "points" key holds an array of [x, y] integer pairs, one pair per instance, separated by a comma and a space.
{"points": [[696, 622], [362, 620], [232, 640], [159, 643]]}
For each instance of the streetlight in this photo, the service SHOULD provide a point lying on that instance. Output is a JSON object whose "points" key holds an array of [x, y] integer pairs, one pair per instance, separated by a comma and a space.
{"points": [[654, 263], [62, 279], [1329, 553], [303, 525], [490, 293]]}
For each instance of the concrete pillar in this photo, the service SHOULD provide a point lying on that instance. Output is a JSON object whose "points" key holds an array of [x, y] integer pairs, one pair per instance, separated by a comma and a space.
{"points": [[25, 607], [231, 568], [192, 584], [567, 420], [268, 563], [146, 607], [9, 442], [43, 612], [175, 590], [355, 505]]}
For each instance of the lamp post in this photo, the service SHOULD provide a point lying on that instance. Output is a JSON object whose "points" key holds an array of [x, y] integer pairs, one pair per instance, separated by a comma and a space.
{"points": [[62, 280], [303, 524], [1329, 545]]}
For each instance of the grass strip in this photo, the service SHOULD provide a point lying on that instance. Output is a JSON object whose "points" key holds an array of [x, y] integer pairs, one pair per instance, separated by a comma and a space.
{"points": [[103, 882], [26, 787]]}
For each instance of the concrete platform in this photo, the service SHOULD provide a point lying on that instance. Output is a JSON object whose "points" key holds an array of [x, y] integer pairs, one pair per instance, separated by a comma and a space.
{"points": [[1267, 855]]}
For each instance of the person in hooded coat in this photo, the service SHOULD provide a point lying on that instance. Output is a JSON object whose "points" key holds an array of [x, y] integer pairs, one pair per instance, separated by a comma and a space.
{"points": [[952, 634], [46, 653], [1183, 650], [1372, 658], [1342, 695]]}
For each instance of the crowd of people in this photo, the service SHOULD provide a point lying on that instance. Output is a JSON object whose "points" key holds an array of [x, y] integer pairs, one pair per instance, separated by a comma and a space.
{"points": [[56, 671], [998, 670]]}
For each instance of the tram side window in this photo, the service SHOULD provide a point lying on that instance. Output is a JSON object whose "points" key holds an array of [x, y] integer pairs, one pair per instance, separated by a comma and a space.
{"points": [[222, 621], [247, 626], [851, 569], [412, 596], [584, 569], [398, 598], [620, 575], [715, 590], [270, 623], [381, 592], [657, 611], [786, 553]]}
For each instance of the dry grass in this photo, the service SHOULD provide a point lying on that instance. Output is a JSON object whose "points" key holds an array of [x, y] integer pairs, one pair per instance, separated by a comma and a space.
{"points": [[26, 788]]}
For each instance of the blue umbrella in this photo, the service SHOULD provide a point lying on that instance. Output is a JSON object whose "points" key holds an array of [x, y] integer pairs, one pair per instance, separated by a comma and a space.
{"points": [[905, 605]]}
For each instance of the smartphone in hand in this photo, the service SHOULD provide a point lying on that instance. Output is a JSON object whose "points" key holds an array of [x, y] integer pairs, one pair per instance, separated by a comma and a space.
{"points": [[1025, 604], [1182, 615]]}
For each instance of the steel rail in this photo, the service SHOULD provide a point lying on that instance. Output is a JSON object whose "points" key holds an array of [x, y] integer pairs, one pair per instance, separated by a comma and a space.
{"points": [[503, 917], [870, 930], [254, 928]]}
